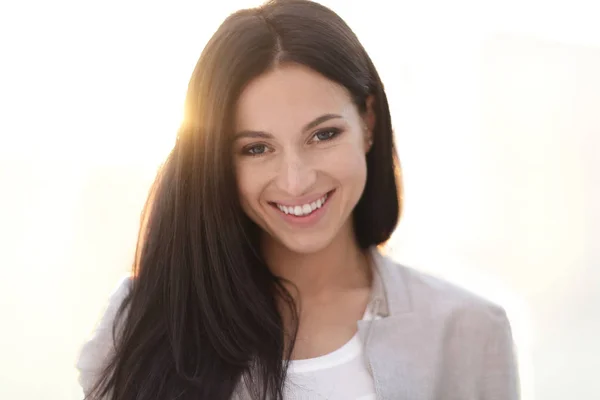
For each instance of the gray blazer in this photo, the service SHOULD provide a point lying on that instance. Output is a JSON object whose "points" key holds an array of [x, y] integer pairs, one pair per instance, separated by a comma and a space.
{"points": [[433, 341]]}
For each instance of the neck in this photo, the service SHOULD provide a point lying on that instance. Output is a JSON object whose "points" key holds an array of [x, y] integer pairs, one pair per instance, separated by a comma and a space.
{"points": [[340, 266]]}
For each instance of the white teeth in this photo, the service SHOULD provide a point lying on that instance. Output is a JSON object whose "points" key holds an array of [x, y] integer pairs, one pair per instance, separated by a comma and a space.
{"points": [[304, 209]]}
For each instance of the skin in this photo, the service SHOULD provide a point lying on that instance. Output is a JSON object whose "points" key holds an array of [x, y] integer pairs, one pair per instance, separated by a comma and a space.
{"points": [[285, 153]]}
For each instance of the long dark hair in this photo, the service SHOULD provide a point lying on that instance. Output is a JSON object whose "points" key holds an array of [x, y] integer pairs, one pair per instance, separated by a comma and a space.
{"points": [[202, 313]]}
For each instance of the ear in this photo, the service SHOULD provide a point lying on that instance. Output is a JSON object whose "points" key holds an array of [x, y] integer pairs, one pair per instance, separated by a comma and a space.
{"points": [[369, 121]]}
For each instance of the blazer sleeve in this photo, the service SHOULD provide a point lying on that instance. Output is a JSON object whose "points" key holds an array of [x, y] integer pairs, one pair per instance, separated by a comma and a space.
{"points": [[96, 352], [500, 380]]}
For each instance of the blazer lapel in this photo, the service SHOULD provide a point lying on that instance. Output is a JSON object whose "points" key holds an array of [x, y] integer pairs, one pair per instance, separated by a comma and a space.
{"points": [[394, 343]]}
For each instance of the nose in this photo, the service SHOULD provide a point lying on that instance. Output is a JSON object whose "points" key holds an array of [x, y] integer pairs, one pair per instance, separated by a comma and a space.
{"points": [[296, 175]]}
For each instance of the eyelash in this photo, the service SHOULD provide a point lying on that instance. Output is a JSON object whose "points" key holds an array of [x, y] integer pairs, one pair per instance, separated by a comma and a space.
{"points": [[247, 150], [335, 132]]}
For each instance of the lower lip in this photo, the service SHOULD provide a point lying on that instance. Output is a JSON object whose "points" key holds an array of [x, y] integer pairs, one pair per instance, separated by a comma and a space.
{"points": [[306, 220]]}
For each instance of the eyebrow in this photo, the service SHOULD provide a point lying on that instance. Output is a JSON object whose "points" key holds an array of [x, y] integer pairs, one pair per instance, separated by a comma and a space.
{"points": [[264, 135]]}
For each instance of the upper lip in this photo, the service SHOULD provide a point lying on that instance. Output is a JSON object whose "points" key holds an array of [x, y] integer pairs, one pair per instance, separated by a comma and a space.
{"points": [[301, 200]]}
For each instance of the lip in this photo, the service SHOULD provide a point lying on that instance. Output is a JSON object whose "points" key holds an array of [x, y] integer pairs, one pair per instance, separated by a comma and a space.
{"points": [[305, 220], [302, 200]]}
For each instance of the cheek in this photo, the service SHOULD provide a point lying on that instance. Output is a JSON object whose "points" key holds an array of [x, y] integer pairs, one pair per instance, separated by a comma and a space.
{"points": [[245, 183], [348, 165], [250, 184]]}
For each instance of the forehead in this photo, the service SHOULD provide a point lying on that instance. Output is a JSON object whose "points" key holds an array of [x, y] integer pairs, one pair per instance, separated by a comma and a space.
{"points": [[288, 97]]}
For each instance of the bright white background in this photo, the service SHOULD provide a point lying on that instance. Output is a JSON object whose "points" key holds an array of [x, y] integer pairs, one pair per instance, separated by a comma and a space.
{"points": [[496, 107]]}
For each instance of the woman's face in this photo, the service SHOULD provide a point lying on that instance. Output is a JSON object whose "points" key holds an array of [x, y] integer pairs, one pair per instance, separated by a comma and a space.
{"points": [[300, 156]]}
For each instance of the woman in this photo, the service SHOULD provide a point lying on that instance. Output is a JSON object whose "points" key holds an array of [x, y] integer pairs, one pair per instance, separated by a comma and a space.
{"points": [[257, 272]]}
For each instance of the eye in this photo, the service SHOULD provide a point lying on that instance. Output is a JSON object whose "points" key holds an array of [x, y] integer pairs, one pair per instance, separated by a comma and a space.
{"points": [[255, 149], [326, 134]]}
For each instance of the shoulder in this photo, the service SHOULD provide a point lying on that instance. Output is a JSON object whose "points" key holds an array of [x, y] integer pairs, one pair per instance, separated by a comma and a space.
{"points": [[469, 334], [115, 300], [436, 298], [120, 291], [100, 346]]}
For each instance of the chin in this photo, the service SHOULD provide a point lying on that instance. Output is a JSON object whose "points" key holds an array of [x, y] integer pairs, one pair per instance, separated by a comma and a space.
{"points": [[305, 244]]}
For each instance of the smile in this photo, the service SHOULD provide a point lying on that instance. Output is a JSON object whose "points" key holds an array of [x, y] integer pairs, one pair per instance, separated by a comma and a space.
{"points": [[303, 210]]}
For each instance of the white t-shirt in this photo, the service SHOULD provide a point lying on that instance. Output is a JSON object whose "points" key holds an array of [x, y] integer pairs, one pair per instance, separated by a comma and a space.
{"points": [[340, 375]]}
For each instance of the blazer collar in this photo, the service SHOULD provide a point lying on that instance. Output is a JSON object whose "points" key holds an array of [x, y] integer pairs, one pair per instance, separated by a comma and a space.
{"points": [[388, 341], [389, 294]]}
